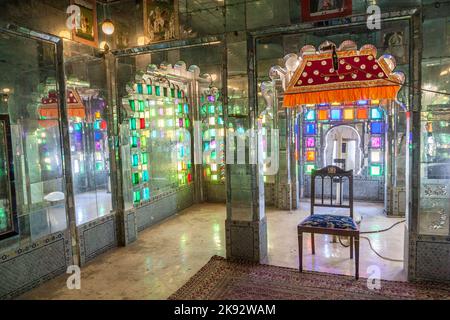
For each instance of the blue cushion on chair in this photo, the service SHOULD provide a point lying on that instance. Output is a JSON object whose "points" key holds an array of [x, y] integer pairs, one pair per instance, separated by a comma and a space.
{"points": [[329, 222]]}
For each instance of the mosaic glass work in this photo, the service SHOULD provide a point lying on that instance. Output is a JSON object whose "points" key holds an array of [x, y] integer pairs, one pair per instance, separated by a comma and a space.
{"points": [[366, 112], [213, 132], [159, 127]]}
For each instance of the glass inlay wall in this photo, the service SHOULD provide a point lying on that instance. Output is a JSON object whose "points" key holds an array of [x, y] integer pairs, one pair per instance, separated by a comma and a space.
{"points": [[159, 140]]}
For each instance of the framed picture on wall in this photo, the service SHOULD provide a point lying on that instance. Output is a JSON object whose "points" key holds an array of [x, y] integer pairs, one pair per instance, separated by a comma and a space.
{"points": [[318, 10], [395, 44], [160, 20], [87, 32]]}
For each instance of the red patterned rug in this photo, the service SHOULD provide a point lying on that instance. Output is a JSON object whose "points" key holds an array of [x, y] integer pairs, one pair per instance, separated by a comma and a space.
{"points": [[221, 279]]}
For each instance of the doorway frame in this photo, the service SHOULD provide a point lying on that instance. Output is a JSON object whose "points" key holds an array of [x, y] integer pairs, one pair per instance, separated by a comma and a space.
{"points": [[414, 19]]}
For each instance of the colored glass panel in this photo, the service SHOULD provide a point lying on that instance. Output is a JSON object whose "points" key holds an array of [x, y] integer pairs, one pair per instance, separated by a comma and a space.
{"points": [[136, 197], [375, 155], [142, 123], [140, 88], [309, 168], [136, 178], [135, 160], [362, 114], [145, 176], [145, 158], [376, 128], [375, 142], [141, 106], [322, 115], [336, 114], [132, 124], [132, 105], [310, 115], [310, 156], [158, 90], [149, 89], [362, 103], [376, 170], [310, 129], [146, 194], [376, 114], [310, 142], [349, 114]]}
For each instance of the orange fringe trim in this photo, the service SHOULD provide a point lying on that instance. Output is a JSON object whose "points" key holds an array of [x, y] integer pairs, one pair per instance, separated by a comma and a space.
{"points": [[343, 95]]}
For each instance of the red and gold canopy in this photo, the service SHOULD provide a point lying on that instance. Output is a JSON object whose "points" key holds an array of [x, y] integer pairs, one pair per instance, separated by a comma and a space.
{"points": [[360, 76], [49, 106]]}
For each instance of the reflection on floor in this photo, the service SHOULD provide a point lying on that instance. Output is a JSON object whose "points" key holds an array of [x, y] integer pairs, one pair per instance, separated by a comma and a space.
{"points": [[92, 205], [167, 255]]}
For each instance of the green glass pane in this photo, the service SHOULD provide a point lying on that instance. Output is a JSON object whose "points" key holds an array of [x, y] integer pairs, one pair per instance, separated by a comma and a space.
{"points": [[133, 105], [136, 197], [158, 90], [144, 158], [135, 161], [136, 178], [149, 89], [165, 91], [145, 176], [132, 124], [134, 142], [99, 166], [172, 92], [141, 106], [146, 194], [140, 88]]}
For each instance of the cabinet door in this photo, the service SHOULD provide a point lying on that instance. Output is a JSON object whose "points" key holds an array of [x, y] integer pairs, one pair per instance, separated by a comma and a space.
{"points": [[435, 171], [7, 207]]}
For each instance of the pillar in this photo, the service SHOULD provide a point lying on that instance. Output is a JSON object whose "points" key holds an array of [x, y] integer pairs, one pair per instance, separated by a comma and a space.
{"points": [[246, 224]]}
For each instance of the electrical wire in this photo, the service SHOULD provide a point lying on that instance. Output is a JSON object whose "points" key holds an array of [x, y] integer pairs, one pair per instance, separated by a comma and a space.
{"points": [[370, 242]]}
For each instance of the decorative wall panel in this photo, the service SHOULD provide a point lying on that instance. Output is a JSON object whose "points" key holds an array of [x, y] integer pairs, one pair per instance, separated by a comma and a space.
{"points": [[164, 206], [28, 267], [97, 237], [433, 261]]}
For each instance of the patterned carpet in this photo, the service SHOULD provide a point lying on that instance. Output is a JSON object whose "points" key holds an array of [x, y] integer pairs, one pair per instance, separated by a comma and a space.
{"points": [[221, 279]]}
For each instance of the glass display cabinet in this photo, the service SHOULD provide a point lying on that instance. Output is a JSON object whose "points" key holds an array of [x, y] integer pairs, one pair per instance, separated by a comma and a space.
{"points": [[435, 171]]}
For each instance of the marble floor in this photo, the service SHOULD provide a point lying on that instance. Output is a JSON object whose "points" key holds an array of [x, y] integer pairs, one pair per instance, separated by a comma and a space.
{"points": [[167, 255]]}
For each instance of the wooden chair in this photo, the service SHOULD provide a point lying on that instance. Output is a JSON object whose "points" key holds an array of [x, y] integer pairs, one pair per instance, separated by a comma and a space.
{"points": [[330, 224]]}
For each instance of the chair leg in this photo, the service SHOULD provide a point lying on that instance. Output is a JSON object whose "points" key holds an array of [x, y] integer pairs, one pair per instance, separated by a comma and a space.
{"points": [[300, 251], [351, 247], [357, 257], [313, 244]]}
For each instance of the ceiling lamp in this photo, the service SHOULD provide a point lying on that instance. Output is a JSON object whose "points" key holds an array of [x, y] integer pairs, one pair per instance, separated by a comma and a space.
{"points": [[108, 27]]}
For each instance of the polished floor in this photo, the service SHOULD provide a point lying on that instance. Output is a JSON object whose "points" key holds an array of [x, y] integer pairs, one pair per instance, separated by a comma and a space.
{"points": [[167, 255]]}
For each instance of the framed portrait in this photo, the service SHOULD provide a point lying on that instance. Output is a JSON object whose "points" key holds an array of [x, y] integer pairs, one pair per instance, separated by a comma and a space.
{"points": [[160, 20], [318, 10], [395, 44], [87, 32]]}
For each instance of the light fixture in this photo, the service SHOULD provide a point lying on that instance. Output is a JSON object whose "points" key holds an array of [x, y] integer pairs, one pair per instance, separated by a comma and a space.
{"points": [[142, 40], [65, 34], [108, 27], [5, 94], [104, 46]]}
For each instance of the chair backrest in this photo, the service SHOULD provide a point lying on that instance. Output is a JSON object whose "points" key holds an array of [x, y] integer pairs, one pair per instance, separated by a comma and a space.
{"points": [[336, 175]]}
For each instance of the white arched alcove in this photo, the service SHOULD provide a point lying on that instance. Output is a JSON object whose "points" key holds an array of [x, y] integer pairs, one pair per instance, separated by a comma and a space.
{"points": [[344, 142]]}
